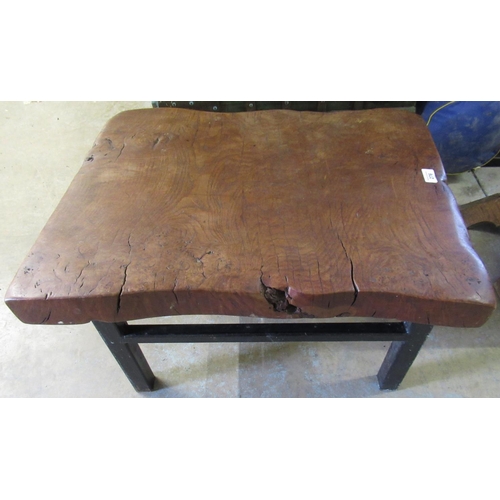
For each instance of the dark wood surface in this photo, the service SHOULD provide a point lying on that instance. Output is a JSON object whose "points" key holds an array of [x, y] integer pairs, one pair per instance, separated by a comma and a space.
{"points": [[274, 214]]}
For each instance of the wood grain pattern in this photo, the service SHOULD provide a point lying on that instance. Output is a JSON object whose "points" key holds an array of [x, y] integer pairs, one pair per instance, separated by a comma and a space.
{"points": [[483, 210], [273, 214]]}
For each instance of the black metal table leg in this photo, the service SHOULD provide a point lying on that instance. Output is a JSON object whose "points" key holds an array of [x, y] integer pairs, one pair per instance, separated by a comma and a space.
{"points": [[401, 355], [129, 356], [122, 340]]}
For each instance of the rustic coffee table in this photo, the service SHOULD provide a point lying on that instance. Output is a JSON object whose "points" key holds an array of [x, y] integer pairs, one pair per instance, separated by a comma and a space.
{"points": [[274, 214]]}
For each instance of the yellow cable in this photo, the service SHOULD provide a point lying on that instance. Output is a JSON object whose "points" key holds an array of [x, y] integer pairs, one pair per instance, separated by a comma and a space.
{"points": [[439, 109], [494, 156]]}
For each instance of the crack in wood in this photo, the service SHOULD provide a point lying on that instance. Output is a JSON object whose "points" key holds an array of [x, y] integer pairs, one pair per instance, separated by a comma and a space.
{"points": [[356, 289], [118, 305], [81, 272], [120, 153], [173, 290]]}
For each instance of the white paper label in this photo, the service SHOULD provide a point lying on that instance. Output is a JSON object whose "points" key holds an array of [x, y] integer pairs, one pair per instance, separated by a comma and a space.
{"points": [[429, 175]]}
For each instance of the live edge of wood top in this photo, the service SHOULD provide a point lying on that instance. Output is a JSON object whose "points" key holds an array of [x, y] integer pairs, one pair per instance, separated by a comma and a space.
{"points": [[274, 214]]}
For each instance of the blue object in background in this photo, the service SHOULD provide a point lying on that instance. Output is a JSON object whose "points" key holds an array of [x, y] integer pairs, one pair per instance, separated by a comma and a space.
{"points": [[466, 133]]}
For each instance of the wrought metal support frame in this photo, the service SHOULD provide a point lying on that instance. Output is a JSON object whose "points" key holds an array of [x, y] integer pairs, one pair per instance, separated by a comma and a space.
{"points": [[122, 340]]}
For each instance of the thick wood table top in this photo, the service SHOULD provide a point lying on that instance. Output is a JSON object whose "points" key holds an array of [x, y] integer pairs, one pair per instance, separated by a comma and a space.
{"points": [[272, 213]]}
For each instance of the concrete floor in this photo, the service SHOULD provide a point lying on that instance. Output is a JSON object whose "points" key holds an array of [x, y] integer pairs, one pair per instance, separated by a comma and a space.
{"points": [[42, 145]]}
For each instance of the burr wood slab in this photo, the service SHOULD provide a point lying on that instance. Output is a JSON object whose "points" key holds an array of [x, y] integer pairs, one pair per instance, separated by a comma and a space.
{"points": [[274, 214]]}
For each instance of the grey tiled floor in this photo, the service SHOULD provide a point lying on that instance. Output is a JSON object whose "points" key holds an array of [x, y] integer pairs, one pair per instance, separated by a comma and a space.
{"points": [[42, 145]]}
